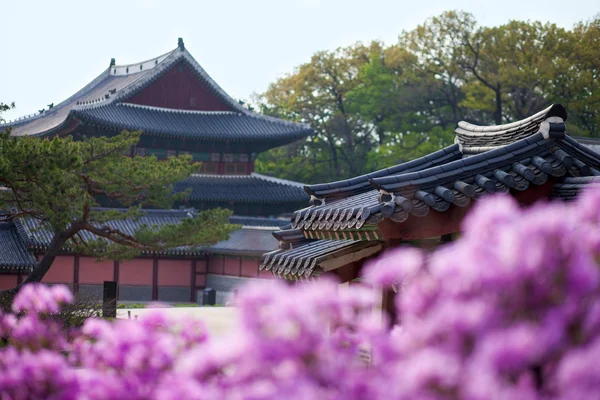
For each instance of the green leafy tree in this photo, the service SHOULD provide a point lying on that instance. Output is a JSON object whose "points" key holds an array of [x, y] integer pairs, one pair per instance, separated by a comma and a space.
{"points": [[394, 95], [374, 105], [577, 85], [58, 182], [437, 44], [316, 93], [511, 68]]}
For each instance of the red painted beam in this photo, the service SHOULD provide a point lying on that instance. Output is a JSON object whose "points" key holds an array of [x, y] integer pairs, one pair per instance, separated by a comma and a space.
{"points": [[442, 223]]}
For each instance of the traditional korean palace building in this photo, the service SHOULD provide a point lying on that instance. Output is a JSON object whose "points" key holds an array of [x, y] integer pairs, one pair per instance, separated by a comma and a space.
{"points": [[179, 109], [424, 201]]}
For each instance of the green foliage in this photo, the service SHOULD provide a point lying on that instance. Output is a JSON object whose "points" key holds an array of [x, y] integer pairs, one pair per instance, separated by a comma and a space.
{"points": [[58, 182], [5, 107], [373, 106]]}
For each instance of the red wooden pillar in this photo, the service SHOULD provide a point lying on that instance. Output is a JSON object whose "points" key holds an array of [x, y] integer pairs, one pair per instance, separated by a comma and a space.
{"points": [[76, 274], [116, 275], [193, 289], [155, 279]]}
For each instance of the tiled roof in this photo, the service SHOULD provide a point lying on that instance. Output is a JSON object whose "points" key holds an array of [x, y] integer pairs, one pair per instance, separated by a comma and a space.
{"points": [[259, 222], [509, 158], [301, 258], [200, 125], [571, 187], [253, 239], [104, 101], [475, 139], [39, 238], [254, 188], [352, 202], [102, 85], [590, 143], [14, 256], [248, 241]]}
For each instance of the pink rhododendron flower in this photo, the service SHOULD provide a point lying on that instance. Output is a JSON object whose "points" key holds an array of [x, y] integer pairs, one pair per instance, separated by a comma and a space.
{"points": [[511, 310], [394, 267]]}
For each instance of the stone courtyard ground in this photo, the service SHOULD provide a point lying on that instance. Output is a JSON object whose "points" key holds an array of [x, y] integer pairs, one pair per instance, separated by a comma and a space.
{"points": [[218, 320]]}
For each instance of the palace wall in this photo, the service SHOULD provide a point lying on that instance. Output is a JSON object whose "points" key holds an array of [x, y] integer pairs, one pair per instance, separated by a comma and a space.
{"points": [[149, 279]]}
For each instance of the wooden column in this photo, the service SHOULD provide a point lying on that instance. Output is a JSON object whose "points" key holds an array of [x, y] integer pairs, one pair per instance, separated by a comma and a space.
{"points": [[388, 306], [155, 279], [116, 265], [76, 274], [193, 289]]}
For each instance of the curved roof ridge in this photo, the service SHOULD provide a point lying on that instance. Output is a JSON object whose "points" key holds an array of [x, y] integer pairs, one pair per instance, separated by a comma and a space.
{"points": [[116, 84], [278, 180], [475, 139], [88, 88], [362, 182], [176, 110], [90, 85], [145, 76], [460, 164], [80, 92], [494, 128], [225, 96], [218, 89], [132, 87], [163, 56]]}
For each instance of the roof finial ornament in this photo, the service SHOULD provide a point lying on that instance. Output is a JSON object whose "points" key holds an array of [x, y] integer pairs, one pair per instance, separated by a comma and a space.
{"points": [[180, 44], [112, 62]]}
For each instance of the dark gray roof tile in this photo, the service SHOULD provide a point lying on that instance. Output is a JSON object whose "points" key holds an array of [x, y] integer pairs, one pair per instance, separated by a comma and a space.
{"points": [[253, 239], [104, 101], [195, 125], [477, 139], [254, 188], [524, 161], [14, 256]]}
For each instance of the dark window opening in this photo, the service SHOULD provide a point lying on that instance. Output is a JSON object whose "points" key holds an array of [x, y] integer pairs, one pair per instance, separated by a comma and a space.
{"points": [[208, 168]]}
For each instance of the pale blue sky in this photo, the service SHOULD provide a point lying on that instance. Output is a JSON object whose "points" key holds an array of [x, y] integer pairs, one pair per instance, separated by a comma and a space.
{"points": [[50, 49]]}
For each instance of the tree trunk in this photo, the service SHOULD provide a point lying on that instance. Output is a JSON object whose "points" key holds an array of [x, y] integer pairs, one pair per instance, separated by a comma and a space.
{"points": [[39, 271], [498, 112], [42, 267], [334, 158]]}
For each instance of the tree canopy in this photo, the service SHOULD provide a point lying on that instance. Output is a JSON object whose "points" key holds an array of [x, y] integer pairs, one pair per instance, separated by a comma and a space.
{"points": [[373, 105], [58, 182]]}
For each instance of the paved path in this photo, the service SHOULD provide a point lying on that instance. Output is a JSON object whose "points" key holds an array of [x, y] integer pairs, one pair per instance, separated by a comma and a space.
{"points": [[219, 320]]}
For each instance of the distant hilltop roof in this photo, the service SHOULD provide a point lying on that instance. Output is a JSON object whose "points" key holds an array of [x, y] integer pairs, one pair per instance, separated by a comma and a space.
{"points": [[126, 97]]}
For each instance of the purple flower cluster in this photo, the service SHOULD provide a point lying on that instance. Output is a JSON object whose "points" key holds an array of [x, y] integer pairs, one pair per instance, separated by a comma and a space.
{"points": [[511, 310]]}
